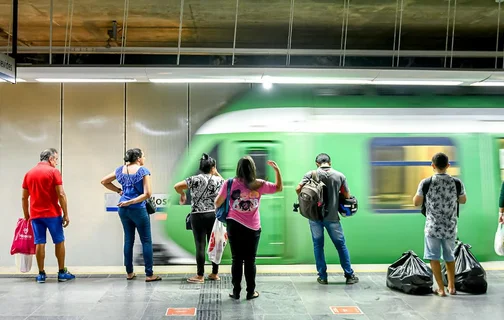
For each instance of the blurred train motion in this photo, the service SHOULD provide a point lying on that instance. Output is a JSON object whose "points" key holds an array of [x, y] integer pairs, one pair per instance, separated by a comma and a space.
{"points": [[383, 144]]}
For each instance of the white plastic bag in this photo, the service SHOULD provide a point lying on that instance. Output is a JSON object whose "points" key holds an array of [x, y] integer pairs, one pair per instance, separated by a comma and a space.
{"points": [[218, 241], [24, 262], [499, 240]]}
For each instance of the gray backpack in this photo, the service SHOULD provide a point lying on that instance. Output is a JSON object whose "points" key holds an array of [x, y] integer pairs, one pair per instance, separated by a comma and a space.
{"points": [[311, 199]]}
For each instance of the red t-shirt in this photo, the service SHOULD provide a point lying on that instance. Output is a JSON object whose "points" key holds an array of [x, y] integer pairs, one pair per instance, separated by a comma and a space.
{"points": [[41, 182]]}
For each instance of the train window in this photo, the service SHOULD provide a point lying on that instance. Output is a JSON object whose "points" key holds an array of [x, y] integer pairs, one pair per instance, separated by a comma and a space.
{"points": [[260, 157], [397, 167]]}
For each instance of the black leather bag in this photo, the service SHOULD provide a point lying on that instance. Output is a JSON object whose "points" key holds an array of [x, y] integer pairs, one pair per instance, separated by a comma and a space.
{"points": [[188, 224]]}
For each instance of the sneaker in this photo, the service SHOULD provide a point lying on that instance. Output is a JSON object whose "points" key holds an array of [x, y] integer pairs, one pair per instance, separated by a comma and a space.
{"points": [[321, 281], [41, 278], [65, 276], [352, 279]]}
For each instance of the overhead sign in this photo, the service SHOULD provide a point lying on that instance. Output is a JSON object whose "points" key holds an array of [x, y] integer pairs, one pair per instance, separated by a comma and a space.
{"points": [[7, 68], [112, 199]]}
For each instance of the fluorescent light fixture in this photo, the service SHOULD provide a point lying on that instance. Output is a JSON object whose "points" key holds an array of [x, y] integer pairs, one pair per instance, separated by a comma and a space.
{"points": [[311, 80], [417, 82], [84, 80], [488, 84], [195, 80]]}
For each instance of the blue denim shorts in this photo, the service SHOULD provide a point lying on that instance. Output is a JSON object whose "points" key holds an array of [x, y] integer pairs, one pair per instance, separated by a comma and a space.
{"points": [[432, 249], [55, 226]]}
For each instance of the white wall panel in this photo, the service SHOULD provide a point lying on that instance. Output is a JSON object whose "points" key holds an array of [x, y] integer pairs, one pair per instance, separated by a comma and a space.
{"points": [[91, 139], [93, 143], [157, 118], [29, 123]]}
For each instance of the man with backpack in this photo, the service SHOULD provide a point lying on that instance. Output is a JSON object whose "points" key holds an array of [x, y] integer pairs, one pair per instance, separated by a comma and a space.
{"points": [[440, 196], [322, 187]]}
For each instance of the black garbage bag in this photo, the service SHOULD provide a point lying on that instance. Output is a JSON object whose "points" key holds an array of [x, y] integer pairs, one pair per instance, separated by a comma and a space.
{"points": [[410, 275], [470, 276]]}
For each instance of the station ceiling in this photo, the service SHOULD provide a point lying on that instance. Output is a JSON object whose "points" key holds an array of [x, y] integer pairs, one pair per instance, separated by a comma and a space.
{"points": [[475, 25]]}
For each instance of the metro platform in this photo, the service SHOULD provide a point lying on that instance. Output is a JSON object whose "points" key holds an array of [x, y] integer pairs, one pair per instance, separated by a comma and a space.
{"points": [[286, 292]]}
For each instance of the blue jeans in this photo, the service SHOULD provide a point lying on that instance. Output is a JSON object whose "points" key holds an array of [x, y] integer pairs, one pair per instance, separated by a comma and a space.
{"points": [[138, 218], [335, 232]]}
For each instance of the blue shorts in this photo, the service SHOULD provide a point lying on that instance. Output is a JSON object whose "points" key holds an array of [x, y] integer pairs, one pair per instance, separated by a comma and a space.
{"points": [[432, 249], [55, 226]]}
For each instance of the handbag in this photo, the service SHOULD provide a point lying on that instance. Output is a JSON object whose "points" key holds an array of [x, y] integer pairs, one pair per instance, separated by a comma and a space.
{"points": [[188, 225], [222, 211], [150, 205]]}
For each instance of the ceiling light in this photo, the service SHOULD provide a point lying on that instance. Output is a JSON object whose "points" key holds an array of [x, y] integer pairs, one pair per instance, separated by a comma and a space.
{"points": [[488, 84], [417, 82], [297, 80], [267, 85], [84, 80], [195, 80]]}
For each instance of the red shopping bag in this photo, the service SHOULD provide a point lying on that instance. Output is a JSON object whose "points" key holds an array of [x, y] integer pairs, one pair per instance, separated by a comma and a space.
{"points": [[24, 240]]}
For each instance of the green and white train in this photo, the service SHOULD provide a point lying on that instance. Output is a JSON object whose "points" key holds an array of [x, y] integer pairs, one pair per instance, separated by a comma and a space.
{"points": [[383, 144]]}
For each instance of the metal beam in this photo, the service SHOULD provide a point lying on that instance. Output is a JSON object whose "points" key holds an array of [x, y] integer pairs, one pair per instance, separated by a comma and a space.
{"points": [[252, 51], [180, 31], [51, 9], [15, 7]]}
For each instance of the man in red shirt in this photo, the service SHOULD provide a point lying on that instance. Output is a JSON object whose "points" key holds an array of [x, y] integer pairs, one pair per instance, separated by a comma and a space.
{"points": [[43, 186]]}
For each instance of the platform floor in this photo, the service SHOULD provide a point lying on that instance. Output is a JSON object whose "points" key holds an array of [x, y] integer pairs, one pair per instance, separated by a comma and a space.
{"points": [[283, 296]]}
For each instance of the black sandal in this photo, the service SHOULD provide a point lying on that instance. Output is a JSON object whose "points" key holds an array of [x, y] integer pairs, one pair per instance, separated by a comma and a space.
{"points": [[158, 278], [234, 297], [253, 296]]}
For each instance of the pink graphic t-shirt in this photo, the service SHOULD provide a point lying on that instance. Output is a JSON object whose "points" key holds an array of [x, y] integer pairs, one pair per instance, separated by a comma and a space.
{"points": [[244, 203]]}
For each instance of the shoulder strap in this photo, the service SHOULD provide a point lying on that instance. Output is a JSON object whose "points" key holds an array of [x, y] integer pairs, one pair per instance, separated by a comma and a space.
{"points": [[314, 175], [458, 185], [229, 184], [426, 186]]}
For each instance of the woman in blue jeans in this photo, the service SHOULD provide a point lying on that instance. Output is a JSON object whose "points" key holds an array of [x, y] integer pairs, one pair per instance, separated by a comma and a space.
{"points": [[136, 188]]}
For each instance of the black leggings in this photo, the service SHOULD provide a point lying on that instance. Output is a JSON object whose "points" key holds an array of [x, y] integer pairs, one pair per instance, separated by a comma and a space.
{"points": [[243, 242], [202, 225]]}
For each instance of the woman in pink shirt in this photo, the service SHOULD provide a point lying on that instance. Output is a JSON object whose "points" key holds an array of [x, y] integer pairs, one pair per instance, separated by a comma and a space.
{"points": [[243, 220]]}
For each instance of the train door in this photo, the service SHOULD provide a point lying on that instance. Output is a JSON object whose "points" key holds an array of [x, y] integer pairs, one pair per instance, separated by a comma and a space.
{"points": [[272, 206]]}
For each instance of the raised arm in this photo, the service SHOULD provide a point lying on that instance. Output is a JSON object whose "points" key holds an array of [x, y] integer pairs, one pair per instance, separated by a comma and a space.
{"points": [[278, 175]]}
